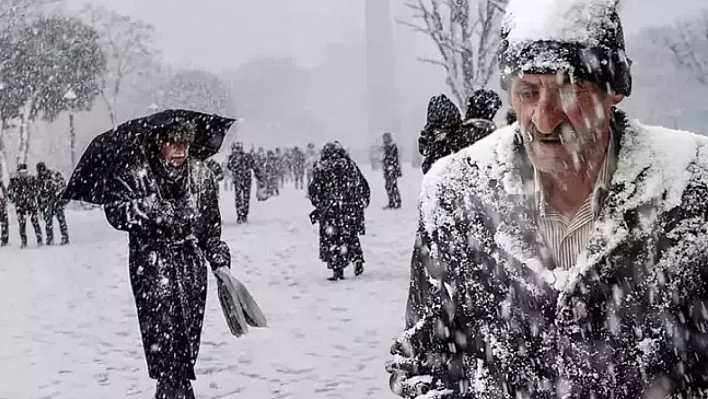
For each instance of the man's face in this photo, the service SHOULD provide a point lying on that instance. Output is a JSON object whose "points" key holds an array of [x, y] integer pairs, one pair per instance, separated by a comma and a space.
{"points": [[563, 124], [175, 153]]}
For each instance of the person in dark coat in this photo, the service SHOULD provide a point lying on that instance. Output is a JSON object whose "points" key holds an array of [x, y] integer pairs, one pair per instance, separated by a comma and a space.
{"points": [[168, 204], [298, 163], [243, 167], [4, 219], [567, 251], [51, 187], [446, 132], [392, 171], [340, 194], [23, 192], [272, 172], [510, 116]]}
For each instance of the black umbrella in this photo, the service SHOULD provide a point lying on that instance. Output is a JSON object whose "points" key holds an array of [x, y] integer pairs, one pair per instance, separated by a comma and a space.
{"points": [[119, 147]]}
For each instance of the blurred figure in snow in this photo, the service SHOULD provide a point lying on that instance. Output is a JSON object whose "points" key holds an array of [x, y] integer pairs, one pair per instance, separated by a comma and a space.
{"points": [[446, 133], [272, 173], [243, 168], [340, 194], [23, 192], [298, 165], [216, 171], [311, 156], [392, 171], [51, 186], [4, 219]]}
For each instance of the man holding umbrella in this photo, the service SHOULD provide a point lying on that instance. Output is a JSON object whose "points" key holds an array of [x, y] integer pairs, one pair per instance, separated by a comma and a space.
{"points": [[151, 177]]}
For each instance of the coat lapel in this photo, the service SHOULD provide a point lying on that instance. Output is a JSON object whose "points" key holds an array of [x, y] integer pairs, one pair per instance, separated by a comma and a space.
{"points": [[634, 202], [527, 258]]}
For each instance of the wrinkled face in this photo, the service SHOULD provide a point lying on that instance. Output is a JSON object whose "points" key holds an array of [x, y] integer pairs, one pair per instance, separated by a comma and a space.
{"points": [[565, 125], [174, 153]]}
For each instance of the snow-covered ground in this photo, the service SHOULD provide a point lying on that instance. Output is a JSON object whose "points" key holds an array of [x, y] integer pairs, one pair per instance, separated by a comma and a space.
{"points": [[68, 326]]}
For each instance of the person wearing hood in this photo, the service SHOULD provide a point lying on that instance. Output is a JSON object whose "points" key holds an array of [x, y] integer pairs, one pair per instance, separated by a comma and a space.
{"points": [[446, 132], [566, 251], [168, 203], [23, 192], [340, 194]]}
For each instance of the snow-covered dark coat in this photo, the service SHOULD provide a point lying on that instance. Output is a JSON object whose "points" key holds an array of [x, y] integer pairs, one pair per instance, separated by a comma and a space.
{"points": [[391, 163], [23, 191], [174, 226], [340, 194], [243, 167], [630, 320], [51, 185]]}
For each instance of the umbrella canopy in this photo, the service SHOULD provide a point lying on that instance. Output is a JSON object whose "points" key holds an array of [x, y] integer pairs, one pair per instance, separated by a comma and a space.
{"points": [[119, 147]]}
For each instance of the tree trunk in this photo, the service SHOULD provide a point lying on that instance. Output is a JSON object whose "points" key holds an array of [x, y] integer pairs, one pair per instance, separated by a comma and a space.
{"points": [[23, 142], [72, 139], [110, 106], [4, 172]]}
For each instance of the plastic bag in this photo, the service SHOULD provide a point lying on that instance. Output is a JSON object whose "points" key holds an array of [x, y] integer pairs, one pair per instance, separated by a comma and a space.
{"points": [[239, 307]]}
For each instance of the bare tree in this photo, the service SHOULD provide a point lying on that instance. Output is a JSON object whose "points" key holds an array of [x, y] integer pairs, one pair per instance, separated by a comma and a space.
{"points": [[688, 42], [129, 48], [466, 33]]}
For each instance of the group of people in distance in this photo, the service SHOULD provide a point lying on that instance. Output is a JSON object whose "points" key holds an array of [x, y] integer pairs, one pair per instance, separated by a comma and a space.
{"points": [[32, 196]]}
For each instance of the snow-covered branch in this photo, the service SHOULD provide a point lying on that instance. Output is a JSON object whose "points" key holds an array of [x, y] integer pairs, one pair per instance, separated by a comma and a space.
{"points": [[466, 34]]}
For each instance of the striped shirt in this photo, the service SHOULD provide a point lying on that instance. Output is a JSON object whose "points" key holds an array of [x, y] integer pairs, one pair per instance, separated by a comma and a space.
{"points": [[568, 237]]}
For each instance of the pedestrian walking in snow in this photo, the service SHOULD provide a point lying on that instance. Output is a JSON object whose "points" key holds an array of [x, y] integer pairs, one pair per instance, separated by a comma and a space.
{"points": [[311, 157], [23, 192], [151, 178], [392, 171], [272, 173], [566, 250], [243, 167], [51, 186], [4, 219], [340, 194], [298, 165]]}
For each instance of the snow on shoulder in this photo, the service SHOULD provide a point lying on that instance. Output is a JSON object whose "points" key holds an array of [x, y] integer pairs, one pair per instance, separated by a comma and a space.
{"points": [[454, 174], [568, 21]]}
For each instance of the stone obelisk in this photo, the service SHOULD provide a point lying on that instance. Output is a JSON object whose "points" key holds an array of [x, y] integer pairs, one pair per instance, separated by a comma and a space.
{"points": [[382, 95]]}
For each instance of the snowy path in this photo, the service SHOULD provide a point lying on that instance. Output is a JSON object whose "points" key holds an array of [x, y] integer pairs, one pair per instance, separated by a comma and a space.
{"points": [[68, 327]]}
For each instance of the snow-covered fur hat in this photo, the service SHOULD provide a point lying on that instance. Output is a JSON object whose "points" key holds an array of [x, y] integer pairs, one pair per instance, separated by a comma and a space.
{"points": [[581, 38]]}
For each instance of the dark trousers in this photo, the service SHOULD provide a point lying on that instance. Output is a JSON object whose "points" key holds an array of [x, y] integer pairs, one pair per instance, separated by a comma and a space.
{"points": [[22, 220], [394, 195], [49, 214], [299, 180], [4, 225], [242, 193]]}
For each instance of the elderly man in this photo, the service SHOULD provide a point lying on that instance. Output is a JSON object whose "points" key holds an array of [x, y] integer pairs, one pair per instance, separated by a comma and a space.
{"points": [[568, 251]]}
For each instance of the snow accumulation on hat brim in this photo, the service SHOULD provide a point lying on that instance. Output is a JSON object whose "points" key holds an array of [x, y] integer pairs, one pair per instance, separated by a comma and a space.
{"points": [[566, 21]]}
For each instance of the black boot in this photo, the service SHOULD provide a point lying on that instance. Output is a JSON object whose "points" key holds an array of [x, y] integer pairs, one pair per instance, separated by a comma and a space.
{"points": [[359, 268], [338, 274]]}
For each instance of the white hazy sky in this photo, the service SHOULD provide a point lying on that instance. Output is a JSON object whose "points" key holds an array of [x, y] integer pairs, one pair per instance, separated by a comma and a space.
{"points": [[221, 34]]}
